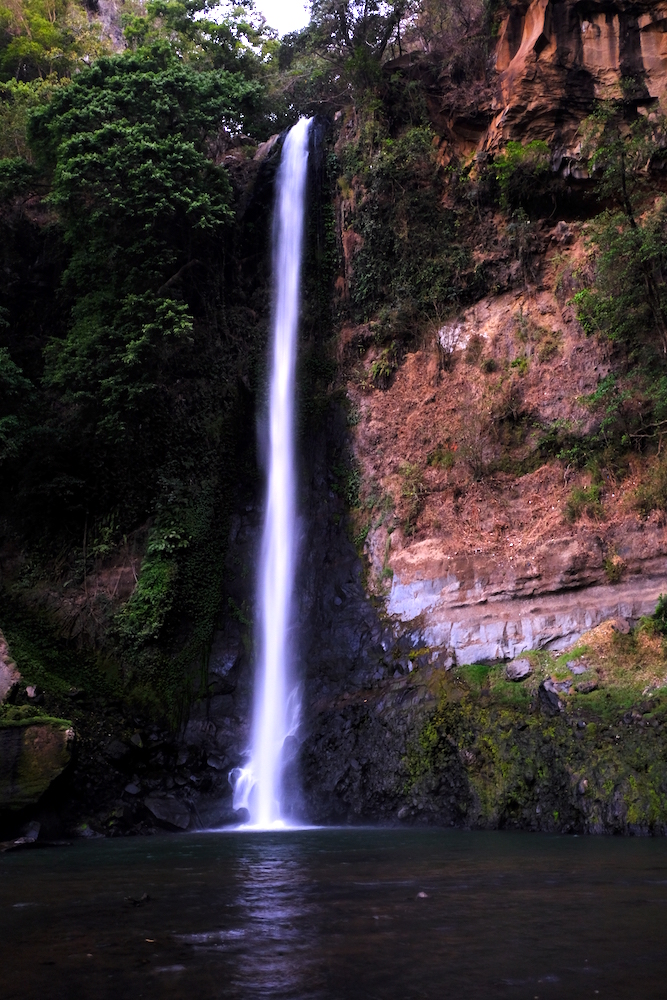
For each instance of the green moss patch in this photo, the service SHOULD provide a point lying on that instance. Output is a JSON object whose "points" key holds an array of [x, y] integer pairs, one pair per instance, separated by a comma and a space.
{"points": [[32, 755], [598, 765]]}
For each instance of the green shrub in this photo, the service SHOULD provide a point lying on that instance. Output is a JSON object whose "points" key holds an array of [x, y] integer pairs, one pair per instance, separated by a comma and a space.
{"points": [[16, 393], [443, 455], [660, 614], [628, 299], [384, 366], [412, 252], [616, 304], [521, 364], [613, 567], [655, 624], [413, 492], [586, 499], [520, 172], [347, 482], [361, 536], [652, 495], [141, 620]]}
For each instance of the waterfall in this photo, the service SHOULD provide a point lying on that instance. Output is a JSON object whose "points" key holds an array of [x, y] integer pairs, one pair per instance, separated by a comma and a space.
{"points": [[257, 787]]}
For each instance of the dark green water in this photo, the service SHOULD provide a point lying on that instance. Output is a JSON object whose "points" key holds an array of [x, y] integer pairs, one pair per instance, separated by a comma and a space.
{"points": [[334, 914]]}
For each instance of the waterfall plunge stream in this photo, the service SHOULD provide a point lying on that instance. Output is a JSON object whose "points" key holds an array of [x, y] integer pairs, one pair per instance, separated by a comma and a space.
{"points": [[258, 786]]}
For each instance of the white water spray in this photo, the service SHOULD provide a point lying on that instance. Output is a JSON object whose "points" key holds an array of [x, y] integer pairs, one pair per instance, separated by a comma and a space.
{"points": [[257, 787]]}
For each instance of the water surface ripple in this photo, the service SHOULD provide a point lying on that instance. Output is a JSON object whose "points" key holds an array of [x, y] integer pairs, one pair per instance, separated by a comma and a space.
{"points": [[337, 915]]}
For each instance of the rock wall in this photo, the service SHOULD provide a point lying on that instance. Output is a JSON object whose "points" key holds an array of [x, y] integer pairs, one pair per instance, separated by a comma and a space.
{"points": [[9, 674], [496, 565], [471, 609], [482, 558], [554, 57], [457, 748], [32, 755]]}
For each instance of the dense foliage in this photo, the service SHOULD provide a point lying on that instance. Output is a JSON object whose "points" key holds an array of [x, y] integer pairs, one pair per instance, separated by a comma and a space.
{"points": [[629, 302], [123, 334], [133, 311], [43, 37], [141, 205], [521, 172], [625, 298], [411, 255]]}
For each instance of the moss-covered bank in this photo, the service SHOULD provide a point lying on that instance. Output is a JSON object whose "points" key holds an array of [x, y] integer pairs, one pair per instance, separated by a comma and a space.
{"points": [[32, 754], [579, 746]]}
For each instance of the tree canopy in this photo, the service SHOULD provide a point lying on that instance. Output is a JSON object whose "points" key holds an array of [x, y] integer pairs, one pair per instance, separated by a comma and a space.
{"points": [[357, 29], [141, 202]]}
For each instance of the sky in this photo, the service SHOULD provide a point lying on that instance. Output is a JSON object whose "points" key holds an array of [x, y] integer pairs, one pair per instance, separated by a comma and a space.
{"points": [[285, 15]]}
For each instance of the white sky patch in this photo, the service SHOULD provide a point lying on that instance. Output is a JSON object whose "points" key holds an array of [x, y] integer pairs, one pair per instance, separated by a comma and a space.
{"points": [[285, 15]]}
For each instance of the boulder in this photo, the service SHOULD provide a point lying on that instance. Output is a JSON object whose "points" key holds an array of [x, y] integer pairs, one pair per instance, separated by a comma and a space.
{"points": [[559, 687], [30, 832], [265, 148], [217, 763], [550, 703], [587, 686], [32, 755], [169, 812], [10, 678], [116, 751], [518, 670]]}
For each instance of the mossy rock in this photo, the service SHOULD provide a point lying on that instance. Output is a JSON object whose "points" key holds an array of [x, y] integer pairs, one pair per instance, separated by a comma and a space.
{"points": [[31, 757]]}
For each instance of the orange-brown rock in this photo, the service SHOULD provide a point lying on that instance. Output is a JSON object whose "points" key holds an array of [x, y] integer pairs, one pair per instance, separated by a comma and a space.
{"points": [[484, 557], [555, 57]]}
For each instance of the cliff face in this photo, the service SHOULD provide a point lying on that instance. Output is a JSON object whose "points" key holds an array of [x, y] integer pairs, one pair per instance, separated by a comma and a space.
{"points": [[492, 563], [490, 559], [477, 659], [554, 58], [482, 541], [446, 532]]}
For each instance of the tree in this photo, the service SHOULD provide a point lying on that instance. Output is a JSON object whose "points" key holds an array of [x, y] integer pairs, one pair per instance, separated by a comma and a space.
{"points": [[43, 37], [15, 393], [631, 236], [357, 30], [142, 207], [207, 34]]}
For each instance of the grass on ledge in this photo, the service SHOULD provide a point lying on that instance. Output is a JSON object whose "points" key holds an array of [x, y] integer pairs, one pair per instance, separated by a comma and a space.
{"points": [[628, 670]]}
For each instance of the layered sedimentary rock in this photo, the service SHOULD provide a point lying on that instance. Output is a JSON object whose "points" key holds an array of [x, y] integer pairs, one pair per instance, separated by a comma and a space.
{"points": [[472, 609]]}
